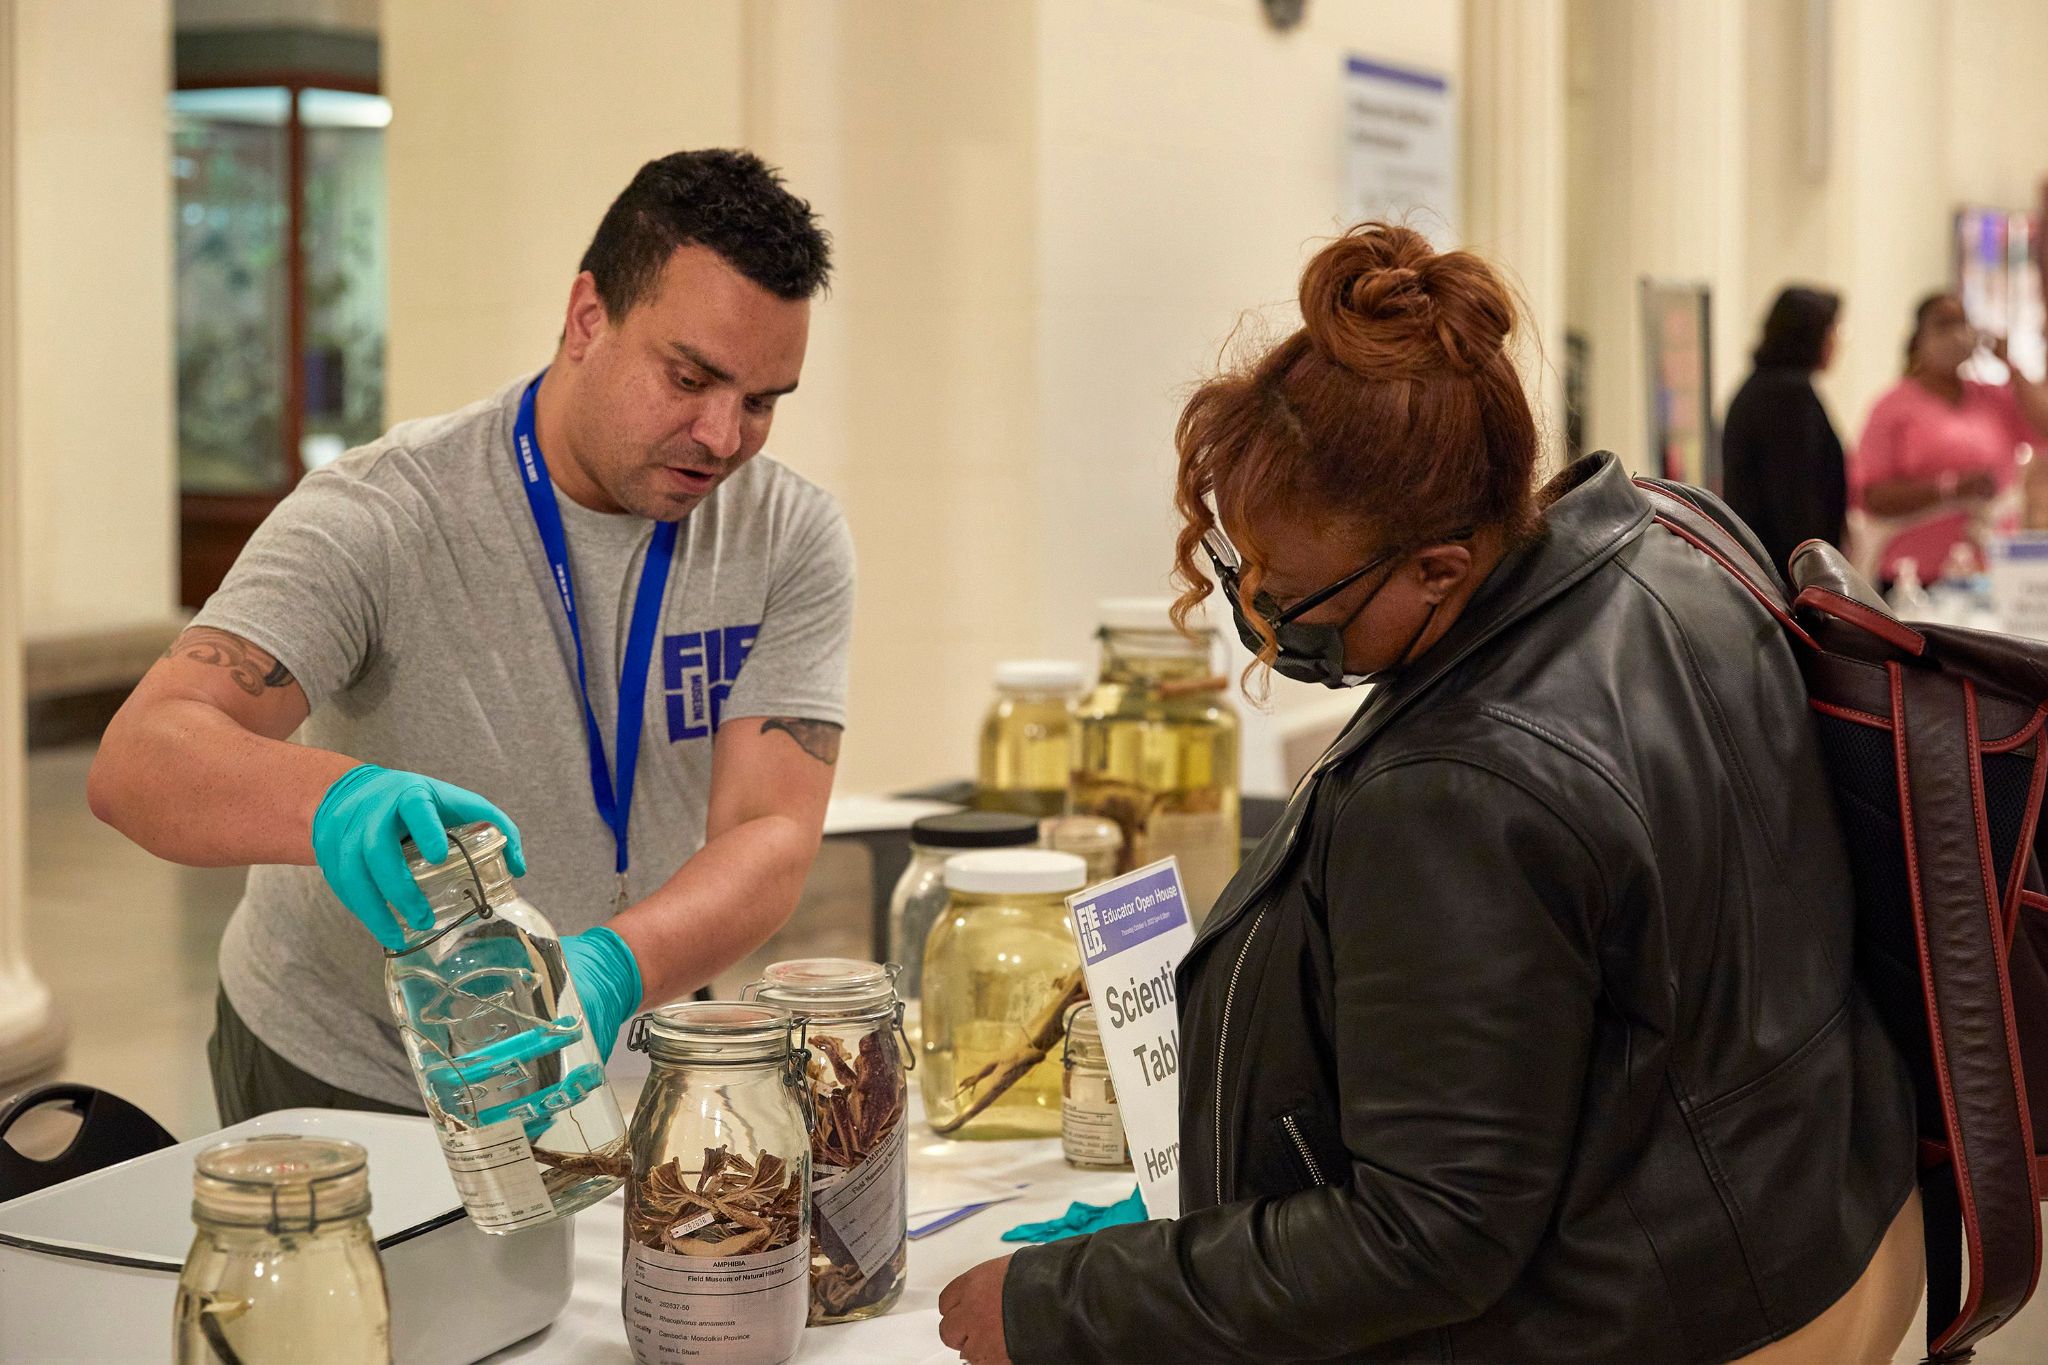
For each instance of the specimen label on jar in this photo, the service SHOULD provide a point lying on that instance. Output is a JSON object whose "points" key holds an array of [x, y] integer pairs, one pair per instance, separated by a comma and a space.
{"points": [[737, 1310], [1091, 1129], [862, 1209], [497, 1177]]}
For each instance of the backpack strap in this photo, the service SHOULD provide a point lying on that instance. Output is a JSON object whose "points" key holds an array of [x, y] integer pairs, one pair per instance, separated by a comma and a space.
{"points": [[1959, 920], [1690, 522]]}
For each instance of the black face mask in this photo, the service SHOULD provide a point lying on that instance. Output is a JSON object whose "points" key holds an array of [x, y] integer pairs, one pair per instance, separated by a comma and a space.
{"points": [[1308, 652]]}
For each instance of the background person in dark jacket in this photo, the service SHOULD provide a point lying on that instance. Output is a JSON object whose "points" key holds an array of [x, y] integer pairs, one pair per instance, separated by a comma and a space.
{"points": [[1781, 460], [1531, 1033]]}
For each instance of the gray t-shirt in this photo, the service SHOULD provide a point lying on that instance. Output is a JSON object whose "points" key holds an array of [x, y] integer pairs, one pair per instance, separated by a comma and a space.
{"points": [[405, 588]]}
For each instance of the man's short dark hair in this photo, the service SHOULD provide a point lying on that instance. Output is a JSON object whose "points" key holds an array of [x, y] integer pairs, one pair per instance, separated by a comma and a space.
{"points": [[730, 201]]}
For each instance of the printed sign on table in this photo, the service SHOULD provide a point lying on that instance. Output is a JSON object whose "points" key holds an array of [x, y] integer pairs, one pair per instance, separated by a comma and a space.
{"points": [[1133, 933]]}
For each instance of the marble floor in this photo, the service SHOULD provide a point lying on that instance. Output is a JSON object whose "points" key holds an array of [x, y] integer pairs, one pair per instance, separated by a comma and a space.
{"points": [[126, 943]]}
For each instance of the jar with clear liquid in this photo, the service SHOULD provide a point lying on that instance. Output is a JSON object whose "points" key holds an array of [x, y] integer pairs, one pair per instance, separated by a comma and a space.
{"points": [[920, 895], [1027, 739], [1091, 1123], [718, 1209], [851, 1021], [505, 1063], [1158, 750], [1001, 969], [283, 1266]]}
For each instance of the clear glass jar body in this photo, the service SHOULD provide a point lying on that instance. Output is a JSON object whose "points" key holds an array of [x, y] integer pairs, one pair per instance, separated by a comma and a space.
{"points": [[920, 895], [1158, 755], [313, 1297], [510, 1076], [851, 1022], [721, 1119], [283, 1266], [994, 967], [1091, 1124], [1027, 754]]}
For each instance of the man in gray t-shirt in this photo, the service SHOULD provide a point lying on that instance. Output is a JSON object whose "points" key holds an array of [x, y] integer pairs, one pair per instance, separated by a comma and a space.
{"points": [[406, 611]]}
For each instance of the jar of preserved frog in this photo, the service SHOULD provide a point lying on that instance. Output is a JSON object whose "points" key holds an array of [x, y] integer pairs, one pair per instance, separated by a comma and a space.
{"points": [[920, 895], [1158, 748], [852, 1023], [1027, 739], [718, 1209], [283, 1266], [510, 1074], [1001, 969]]}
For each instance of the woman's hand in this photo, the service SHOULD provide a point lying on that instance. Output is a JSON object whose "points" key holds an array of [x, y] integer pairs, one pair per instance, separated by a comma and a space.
{"points": [[971, 1314]]}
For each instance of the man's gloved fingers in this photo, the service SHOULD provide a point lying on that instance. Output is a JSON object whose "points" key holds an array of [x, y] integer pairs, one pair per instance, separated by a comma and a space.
{"points": [[460, 806], [421, 817], [394, 880], [354, 887]]}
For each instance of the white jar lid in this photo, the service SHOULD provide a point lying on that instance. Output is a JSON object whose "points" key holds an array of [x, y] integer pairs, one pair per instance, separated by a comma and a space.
{"points": [[1022, 871], [1148, 613], [1040, 675]]}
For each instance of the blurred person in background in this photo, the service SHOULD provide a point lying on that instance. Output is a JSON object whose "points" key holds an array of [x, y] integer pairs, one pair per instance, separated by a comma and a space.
{"points": [[1938, 449], [1781, 457]]}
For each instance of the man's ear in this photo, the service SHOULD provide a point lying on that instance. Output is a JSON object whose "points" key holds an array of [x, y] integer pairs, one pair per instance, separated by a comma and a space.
{"points": [[587, 319], [1442, 568]]}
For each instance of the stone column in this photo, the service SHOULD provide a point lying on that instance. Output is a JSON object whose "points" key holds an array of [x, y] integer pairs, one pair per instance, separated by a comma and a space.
{"points": [[1514, 154], [31, 1039]]}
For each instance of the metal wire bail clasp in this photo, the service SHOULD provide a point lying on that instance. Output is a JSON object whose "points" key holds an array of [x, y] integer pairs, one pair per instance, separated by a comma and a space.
{"points": [[903, 1036], [636, 1033], [796, 1069]]}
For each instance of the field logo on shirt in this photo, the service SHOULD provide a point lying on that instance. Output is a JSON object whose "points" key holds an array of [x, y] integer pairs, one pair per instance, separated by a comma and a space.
{"points": [[698, 669]]}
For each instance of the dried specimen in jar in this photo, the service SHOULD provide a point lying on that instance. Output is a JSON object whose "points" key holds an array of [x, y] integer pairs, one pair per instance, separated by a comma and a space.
{"points": [[735, 1206], [860, 1104]]}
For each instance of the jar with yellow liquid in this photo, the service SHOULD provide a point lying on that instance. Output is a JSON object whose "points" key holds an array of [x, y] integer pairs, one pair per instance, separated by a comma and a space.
{"points": [[1001, 970], [1158, 748], [1027, 739]]}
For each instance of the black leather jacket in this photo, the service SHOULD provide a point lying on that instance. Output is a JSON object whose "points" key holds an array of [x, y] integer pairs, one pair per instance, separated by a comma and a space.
{"points": [[1531, 1033]]}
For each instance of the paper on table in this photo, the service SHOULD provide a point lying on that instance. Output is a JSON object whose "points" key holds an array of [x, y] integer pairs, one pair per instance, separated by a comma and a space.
{"points": [[940, 1191]]}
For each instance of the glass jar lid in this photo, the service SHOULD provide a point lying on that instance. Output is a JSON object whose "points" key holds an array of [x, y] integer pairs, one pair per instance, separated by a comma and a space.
{"points": [[1040, 676], [713, 1032], [1082, 834], [283, 1182], [975, 829], [827, 987], [483, 842], [1016, 871]]}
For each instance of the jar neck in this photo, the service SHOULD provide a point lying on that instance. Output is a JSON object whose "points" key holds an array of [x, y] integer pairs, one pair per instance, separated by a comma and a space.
{"points": [[244, 1235], [1140, 658], [452, 891]]}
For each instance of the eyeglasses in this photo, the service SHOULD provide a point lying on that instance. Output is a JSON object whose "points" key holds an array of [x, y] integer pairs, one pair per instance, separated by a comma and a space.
{"points": [[1223, 556]]}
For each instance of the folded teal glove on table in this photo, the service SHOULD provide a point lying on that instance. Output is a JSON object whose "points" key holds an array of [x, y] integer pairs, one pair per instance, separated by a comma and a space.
{"points": [[607, 980], [1081, 1219], [359, 826]]}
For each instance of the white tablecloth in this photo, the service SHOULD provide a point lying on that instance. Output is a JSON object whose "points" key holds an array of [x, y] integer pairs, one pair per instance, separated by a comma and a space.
{"points": [[591, 1329]]}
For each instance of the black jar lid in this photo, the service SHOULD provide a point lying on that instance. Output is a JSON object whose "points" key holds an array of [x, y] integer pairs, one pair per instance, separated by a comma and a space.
{"points": [[975, 829]]}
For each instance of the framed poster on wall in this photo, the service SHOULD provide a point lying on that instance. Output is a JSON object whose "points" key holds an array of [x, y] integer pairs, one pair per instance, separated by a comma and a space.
{"points": [[1679, 372]]}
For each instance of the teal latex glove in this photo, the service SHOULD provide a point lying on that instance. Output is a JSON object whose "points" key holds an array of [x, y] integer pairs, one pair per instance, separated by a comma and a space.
{"points": [[1081, 1219], [356, 835], [607, 979]]}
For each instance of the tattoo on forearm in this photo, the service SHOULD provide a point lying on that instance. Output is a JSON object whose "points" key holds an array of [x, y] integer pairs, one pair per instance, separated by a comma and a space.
{"points": [[818, 738], [253, 670]]}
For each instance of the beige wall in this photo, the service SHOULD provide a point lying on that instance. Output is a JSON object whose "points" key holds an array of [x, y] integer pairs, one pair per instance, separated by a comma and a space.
{"points": [[98, 476], [509, 136]]}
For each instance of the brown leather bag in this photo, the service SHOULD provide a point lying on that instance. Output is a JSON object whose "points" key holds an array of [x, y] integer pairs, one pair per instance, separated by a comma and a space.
{"points": [[1933, 737]]}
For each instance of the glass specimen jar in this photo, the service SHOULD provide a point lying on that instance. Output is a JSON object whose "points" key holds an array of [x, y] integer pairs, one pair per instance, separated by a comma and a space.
{"points": [[1091, 1126], [510, 1074], [1158, 749], [1027, 738], [718, 1208], [920, 895], [283, 1266], [852, 1023], [1001, 969]]}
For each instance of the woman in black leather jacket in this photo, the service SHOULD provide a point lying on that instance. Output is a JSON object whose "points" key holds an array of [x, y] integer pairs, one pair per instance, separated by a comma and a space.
{"points": [[1531, 1032]]}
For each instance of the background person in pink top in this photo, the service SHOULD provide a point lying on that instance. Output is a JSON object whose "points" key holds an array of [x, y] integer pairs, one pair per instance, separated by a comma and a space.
{"points": [[1939, 448]]}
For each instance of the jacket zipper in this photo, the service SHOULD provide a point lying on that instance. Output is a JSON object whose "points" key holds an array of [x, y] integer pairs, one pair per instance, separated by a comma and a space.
{"points": [[1223, 1037], [1315, 1172]]}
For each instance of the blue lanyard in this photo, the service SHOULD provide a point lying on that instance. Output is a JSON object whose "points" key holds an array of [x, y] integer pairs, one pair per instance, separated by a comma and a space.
{"points": [[615, 809]]}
